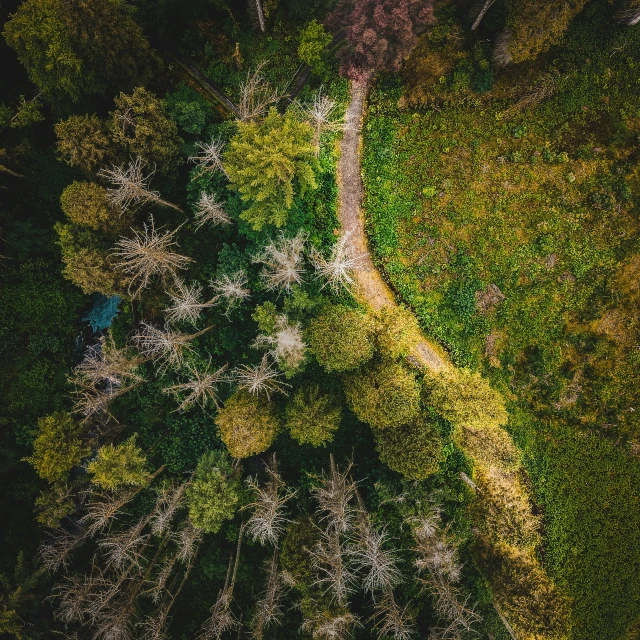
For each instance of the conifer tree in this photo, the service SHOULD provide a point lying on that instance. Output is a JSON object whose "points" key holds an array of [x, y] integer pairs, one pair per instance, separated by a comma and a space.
{"points": [[121, 465], [267, 162]]}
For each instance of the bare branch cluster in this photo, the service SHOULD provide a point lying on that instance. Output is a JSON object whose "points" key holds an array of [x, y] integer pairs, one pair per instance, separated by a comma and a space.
{"points": [[233, 288], [268, 521], [130, 186], [102, 510], [334, 495], [338, 270], [55, 552], [165, 347], [269, 608], [201, 388], [392, 621], [187, 540], [370, 557], [321, 115], [148, 254], [437, 554], [287, 344], [208, 156], [260, 379], [170, 499], [331, 627], [186, 303], [256, 95], [209, 210], [283, 261]]}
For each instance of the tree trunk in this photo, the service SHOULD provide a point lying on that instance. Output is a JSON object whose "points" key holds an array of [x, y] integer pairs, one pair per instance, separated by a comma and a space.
{"points": [[485, 7], [260, 15]]}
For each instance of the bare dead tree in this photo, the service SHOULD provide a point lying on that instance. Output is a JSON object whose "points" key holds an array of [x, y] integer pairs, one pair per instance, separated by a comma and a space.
{"points": [[170, 499], [124, 548], [187, 541], [286, 345], [268, 521], [130, 186], [148, 254], [232, 288], [165, 347], [437, 554], [201, 388], [544, 88], [57, 549], [102, 509], [106, 364], [327, 626], [338, 270], [392, 622], [92, 400], [320, 113], [256, 95], [222, 618], [209, 210], [260, 379], [283, 261], [334, 573], [501, 55], [334, 495], [186, 303], [370, 557], [208, 156], [269, 608]]}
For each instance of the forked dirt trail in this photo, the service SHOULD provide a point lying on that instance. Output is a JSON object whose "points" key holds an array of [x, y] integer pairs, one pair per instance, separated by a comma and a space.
{"points": [[371, 288]]}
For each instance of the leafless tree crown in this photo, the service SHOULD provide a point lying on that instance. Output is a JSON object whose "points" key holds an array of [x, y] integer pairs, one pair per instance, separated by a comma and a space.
{"points": [[200, 389], [130, 186], [283, 261], [260, 379], [286, 344], [208, 156], [256, 95], [338, 270], [186, 303], [148, 254], [210, 211], [232, 288]]}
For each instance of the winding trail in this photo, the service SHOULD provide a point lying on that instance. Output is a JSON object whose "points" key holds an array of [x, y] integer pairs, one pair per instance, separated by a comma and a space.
{"points": [[370, 287]]}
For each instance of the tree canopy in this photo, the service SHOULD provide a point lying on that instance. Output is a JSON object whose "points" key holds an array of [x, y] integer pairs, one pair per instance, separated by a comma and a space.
{"points": [[312, 417], [267, 163], [73, 48], [117, 466]]}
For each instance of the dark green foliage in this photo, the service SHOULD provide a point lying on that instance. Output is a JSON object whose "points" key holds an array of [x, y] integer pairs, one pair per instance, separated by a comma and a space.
{"points": [[72, 48], [189, 110]]}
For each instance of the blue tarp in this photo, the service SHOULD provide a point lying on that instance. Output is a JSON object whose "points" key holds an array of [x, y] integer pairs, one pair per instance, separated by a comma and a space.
{"points": [[103, 312]]}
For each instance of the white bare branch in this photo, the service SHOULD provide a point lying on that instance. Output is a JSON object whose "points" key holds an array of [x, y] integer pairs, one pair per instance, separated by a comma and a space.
{"points": [[269, 609], [334, 495], [209, 210], [338, 270], [149, 254], [283, 260], [268, 521], [256, 95], [286, 345], [321, 116], [208, 156], [331, 627], [186, 303], [166, 347], [200, 389], [130, 186], [259, 379], [232, 288], [392, 622]]}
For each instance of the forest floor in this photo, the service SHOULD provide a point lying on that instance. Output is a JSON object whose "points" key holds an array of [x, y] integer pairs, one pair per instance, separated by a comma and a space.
{"points": [[370, 286]]}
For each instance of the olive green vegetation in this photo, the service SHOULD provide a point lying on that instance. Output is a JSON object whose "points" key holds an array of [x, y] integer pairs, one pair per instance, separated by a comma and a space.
{"points": [[312, 417], [385, 395], [85, 204], [72, 48], [214, 493], [247, 424], [58, 447], [117, 466], [506, 218], [341, 338], [414, 450]]}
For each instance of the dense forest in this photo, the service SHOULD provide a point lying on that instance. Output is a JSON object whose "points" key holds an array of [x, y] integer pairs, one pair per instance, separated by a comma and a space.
{"points": [[320, 319]]}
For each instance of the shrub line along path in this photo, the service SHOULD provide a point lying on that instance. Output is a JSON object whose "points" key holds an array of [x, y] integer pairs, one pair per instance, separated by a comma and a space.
{"points": [[370, 286]]}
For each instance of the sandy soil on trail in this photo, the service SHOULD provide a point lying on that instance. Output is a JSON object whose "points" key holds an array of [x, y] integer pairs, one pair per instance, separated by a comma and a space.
{"points": [[371, 288]]}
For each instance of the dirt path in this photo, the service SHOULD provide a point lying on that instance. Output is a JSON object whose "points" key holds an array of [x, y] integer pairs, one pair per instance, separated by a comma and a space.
{"points": [[371, 288]]}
